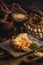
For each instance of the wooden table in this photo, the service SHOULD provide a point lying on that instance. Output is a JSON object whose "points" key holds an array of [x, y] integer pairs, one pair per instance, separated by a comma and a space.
{"points": [[14, 61], [11, 61]]}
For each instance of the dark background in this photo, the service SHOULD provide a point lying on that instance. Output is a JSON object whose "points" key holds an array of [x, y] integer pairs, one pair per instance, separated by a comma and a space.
{"points": [[27, 4]]}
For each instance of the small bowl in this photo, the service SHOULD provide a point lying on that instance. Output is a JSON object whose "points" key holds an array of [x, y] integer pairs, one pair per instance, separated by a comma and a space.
{"points": [[18, 17]]}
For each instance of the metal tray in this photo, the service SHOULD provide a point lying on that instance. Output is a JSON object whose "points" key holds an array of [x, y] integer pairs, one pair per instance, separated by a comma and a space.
{"points": [[6, 46]]}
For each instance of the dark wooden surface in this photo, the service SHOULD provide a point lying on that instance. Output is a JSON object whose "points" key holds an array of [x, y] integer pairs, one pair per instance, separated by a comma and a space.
{"points": [[14, 62]]}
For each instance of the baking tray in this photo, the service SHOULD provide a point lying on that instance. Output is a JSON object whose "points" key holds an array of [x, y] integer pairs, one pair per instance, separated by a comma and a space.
{"points": [[6, 46]]}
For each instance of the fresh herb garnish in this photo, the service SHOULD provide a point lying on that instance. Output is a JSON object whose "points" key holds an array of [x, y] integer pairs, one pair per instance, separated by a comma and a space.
{"points": [[33, 46]]}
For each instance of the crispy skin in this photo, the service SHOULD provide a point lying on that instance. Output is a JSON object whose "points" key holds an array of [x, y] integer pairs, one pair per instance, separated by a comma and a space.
{"points": [[21, 42]]}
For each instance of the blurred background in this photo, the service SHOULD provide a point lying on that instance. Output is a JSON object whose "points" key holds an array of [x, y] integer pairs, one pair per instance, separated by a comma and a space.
{"points": [[27, 4]]}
